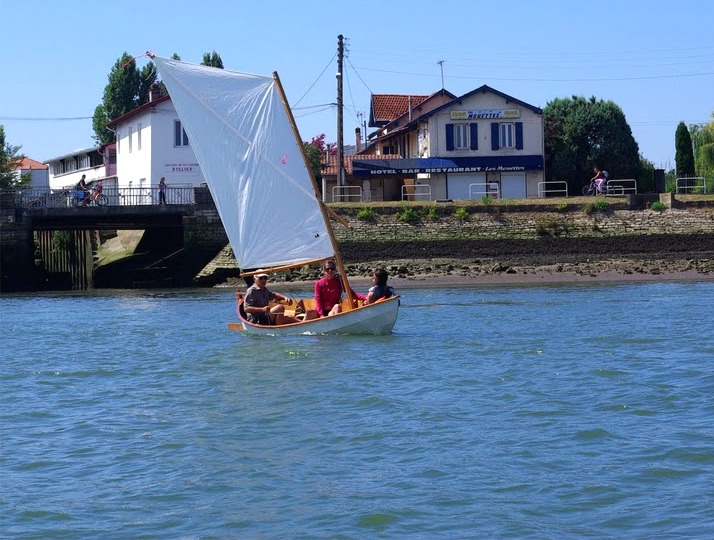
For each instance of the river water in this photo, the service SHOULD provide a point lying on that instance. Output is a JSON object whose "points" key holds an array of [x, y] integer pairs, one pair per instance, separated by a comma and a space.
{"points": [[563, 411]]}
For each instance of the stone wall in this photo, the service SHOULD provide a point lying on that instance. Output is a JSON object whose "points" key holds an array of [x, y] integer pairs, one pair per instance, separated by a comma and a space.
{"points": [[495, 224]]}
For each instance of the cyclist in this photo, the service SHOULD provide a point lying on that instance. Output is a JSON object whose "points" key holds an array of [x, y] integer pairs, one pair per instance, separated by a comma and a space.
{"points": [[82, 187], [599, 179]]}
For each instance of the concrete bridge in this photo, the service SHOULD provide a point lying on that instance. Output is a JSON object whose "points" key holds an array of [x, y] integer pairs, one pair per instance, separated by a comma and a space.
{"points": [[188, 228]]}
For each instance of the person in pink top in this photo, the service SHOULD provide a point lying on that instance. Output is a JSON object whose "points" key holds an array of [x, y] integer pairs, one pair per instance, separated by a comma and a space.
{"points": [[328, 291]]}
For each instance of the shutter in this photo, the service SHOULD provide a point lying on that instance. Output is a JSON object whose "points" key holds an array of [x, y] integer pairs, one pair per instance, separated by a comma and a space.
{"points": [[474, 136], [494, 136], [449, 137], [519, 135]]}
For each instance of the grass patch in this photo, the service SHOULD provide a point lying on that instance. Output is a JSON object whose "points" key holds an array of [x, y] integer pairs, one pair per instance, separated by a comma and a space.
{"points": [[658, 206], [408, 215], [366, 214], [461, 214], [596, 206]]}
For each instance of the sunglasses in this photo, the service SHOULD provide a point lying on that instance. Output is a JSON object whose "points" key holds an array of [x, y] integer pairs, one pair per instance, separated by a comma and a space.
{"points": [[262, 278], [330, 269]]}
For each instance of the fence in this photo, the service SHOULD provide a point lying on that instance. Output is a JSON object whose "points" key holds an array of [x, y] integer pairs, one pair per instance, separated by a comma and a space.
{"points": [[484, 189], [346, 193], [622, 186], [61, 198], [416, 192], [557, 187], [689, 184]]}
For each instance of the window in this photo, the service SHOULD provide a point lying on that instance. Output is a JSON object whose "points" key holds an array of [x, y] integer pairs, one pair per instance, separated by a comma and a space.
{"points": [[180, 137], [461, 136], [506, 139], [131, 135], [138, 137], [507, 135]]}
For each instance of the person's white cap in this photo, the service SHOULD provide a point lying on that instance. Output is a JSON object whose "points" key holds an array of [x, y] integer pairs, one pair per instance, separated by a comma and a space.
{"points": [[262, 274]]}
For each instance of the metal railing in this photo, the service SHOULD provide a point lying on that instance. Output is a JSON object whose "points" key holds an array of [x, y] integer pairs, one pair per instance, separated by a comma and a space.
{"points": [[621, 186], [688, 184], [416, 192], [62, 198], [347, 194], [480, 190], [558, 187]]}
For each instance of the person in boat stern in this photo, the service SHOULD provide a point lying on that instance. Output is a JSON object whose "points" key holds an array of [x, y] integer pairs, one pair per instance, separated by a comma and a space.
{"points": [[257, 304], [379, 288], [328, 291]]}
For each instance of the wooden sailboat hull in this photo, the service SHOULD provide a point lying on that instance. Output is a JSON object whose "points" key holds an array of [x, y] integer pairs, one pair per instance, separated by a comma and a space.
{"points": [[376, 319]]}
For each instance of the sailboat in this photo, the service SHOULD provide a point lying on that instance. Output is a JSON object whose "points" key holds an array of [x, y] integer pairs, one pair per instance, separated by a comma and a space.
{"points": [[247, 143]]}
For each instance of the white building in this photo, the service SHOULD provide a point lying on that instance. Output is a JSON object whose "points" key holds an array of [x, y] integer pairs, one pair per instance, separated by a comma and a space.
{"points": [[93, 163], [481, 143], [151, 143]]}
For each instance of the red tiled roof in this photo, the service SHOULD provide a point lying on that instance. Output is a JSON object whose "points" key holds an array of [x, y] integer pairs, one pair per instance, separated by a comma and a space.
{"points": [[387, 107], [29, 163], [331, 168]]}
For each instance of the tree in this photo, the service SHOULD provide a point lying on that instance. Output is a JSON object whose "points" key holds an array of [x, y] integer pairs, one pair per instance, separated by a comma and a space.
{"points": [[315, 150], [10, 161], [212, 59], [684, 152], [127, 88], [703, 143], [581, 133]]}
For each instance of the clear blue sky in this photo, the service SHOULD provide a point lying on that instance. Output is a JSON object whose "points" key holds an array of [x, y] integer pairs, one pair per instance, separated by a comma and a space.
{"points": [[655, 59]]}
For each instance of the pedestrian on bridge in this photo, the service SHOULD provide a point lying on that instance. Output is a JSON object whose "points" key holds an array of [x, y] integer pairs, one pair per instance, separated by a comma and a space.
{"points": [[162, 190]]}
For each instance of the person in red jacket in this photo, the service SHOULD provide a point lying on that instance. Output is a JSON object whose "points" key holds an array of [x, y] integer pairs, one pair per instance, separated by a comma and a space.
{"points": [[328, 291]]}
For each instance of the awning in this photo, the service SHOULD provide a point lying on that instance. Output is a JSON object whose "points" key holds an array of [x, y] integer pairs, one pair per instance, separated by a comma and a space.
{"points": [[382, 167]]}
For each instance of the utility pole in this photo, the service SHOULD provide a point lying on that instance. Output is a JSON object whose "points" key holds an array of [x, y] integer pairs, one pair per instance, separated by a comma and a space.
{"points": [[340, 142]]}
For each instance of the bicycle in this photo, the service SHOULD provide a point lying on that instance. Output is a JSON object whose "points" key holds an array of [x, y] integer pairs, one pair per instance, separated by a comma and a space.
{"points": [[93, 198], [592, 189]]}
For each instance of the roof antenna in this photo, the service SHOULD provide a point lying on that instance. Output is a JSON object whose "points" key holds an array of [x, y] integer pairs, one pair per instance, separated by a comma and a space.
{"points": [[441, 66]]}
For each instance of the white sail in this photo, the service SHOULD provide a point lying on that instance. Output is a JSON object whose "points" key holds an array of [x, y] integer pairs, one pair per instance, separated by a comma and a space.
{"points": [[243, 140]]}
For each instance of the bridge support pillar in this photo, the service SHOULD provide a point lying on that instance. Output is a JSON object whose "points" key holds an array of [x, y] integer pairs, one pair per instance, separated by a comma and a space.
{"points": [[17, 249]]}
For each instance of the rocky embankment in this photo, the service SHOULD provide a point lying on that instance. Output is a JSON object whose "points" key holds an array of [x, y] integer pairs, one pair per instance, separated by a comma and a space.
{"points": [[547, 259]]}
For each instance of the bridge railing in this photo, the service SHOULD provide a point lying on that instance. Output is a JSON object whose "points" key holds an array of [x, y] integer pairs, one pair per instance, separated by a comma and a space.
{"points": [[62, 198]]}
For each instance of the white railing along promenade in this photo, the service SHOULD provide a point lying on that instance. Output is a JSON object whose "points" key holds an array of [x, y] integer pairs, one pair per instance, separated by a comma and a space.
{"points": [[556, 187], [689, 184], [480, 190], [416, 192], [347, 194]]}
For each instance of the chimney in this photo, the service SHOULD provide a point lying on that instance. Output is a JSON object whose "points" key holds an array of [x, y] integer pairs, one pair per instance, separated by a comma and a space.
{"points": [[154, 92], [358, 140]]}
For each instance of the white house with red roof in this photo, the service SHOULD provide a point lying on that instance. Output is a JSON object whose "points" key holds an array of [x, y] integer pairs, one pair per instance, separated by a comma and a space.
{"points": [[39, 173]]}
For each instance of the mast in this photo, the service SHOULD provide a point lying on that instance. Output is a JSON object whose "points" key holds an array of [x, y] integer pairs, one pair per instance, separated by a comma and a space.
{"points": [[323, 208], [340, 126]]}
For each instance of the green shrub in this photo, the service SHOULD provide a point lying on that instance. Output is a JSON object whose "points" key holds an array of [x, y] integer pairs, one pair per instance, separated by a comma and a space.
{"points": [[658, 206], [597, 206], [408, 215], [433, 213], [366, 214], [487, 200], [562, 207], [461, 214], [61, 240]]}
